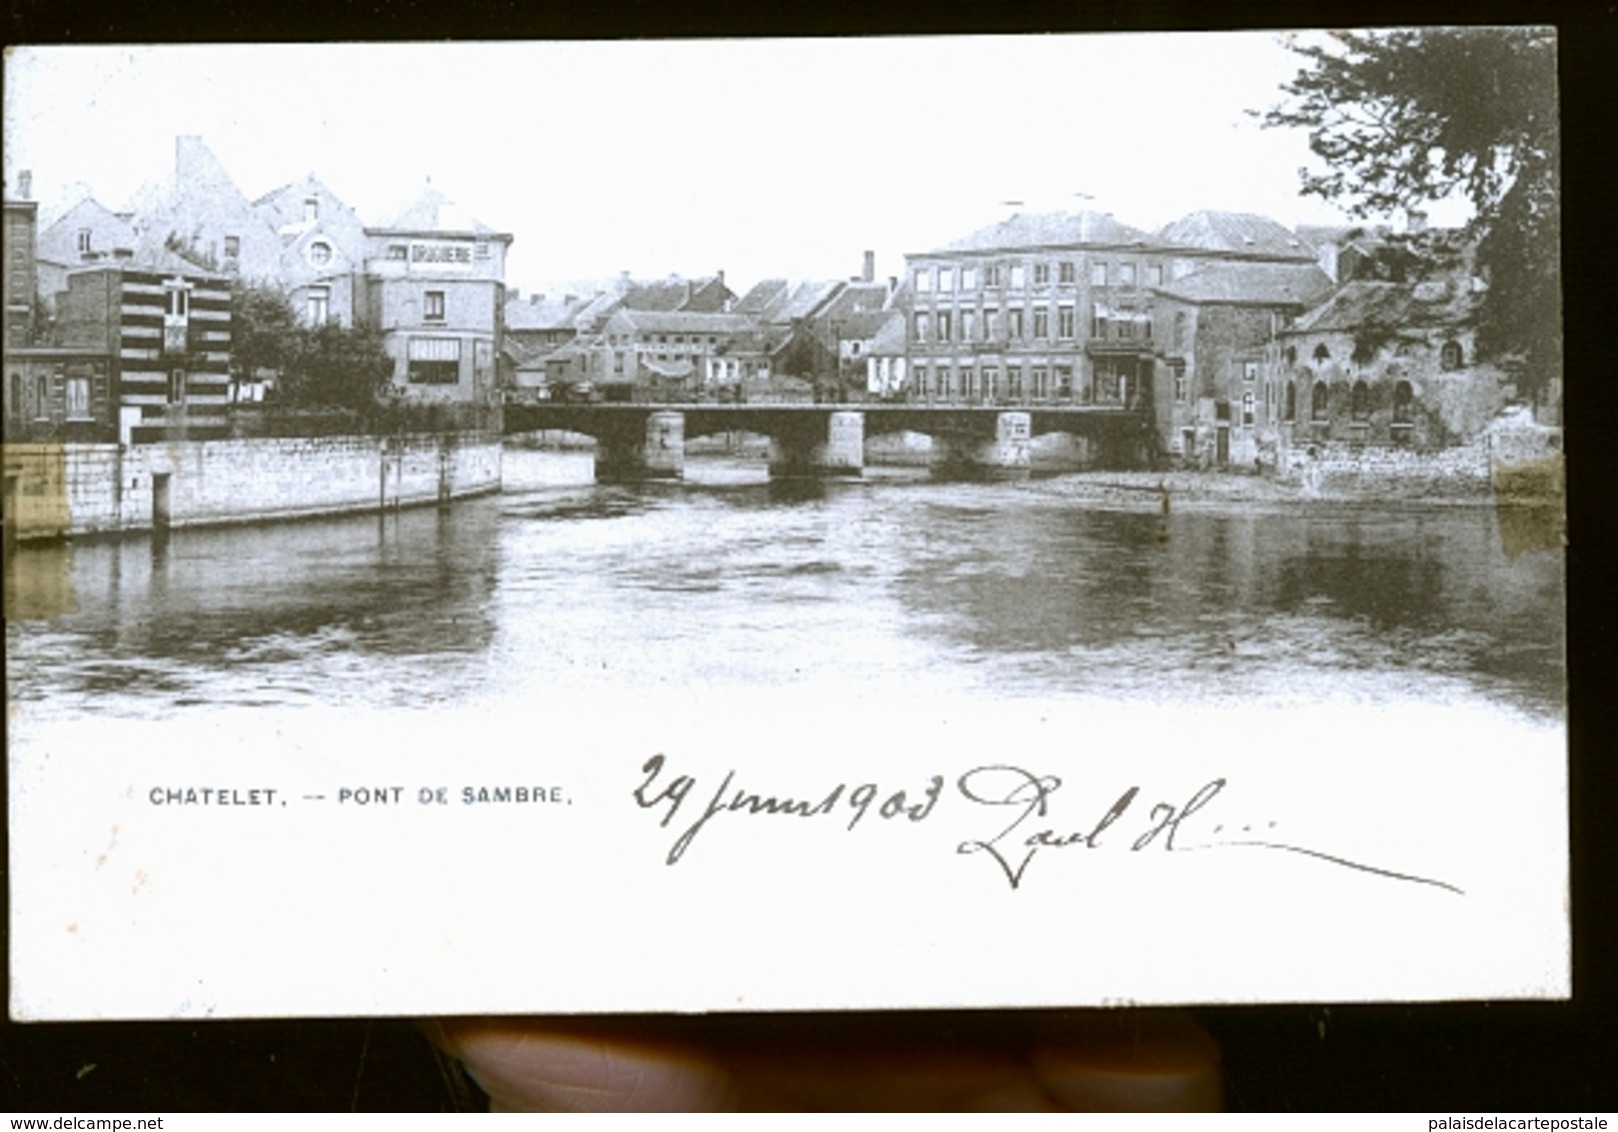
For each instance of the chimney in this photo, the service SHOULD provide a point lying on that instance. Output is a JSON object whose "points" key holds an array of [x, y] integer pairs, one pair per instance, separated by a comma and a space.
{"points": [[721, 276], [868, 274], [25, 185], [893, 284]]}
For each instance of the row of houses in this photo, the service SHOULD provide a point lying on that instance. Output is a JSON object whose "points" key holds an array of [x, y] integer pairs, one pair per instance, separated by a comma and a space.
{"points": [[117, 321], [1233, 334]]}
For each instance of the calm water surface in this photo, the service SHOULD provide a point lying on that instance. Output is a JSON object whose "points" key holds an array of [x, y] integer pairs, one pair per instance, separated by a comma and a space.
{"points": [[1041, 589]]}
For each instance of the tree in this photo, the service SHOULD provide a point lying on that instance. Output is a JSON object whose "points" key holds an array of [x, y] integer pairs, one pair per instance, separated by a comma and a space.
{"points": [[264, 330], [326, 366], [1404, 118], [339, 367]]}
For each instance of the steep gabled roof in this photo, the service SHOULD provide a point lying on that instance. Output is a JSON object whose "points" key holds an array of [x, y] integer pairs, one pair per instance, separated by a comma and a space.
{"points": [[433, 211], [1365, 302], [1240, 233], [1048, 229], [1251, 284], [762, 295]]}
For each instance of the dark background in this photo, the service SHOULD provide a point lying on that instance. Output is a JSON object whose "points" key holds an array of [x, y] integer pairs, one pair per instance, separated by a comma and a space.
{"points": [[1436, 1058]]}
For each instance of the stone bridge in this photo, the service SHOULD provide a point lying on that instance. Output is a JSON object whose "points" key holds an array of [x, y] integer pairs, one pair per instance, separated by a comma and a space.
{"points": [[647, 441]]}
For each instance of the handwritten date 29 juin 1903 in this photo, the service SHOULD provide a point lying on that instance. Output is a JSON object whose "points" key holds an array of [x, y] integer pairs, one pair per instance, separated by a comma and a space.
{"points": [[1024, 826]]}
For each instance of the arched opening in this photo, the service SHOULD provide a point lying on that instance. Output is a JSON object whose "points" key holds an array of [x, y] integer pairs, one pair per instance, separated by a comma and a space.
{"points": [[1359, 402], [1322, 354], [1319, 403], [1403, 403], [1292, 401], [1450, 356], [1292, 356]]}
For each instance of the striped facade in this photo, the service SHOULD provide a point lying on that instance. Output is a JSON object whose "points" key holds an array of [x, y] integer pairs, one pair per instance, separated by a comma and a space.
{"points": [[174, 345], [167, 335]]}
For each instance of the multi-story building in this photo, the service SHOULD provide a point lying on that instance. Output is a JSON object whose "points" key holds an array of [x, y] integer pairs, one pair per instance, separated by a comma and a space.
{"points": [[165, 330], [1039, 308], [434, 284], [1217, 401]]}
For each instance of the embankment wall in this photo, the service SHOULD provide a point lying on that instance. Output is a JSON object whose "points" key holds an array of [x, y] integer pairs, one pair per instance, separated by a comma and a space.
{"points": [[56, 490]]}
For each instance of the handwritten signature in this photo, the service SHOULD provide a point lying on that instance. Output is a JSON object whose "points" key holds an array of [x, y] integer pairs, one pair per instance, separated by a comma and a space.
{"points": [[1024, 797]]}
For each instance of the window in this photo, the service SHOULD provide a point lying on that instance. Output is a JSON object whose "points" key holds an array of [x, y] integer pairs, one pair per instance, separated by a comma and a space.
{"points": [[922, 387], [398, 251], [320, 253], [1014, 322], [1065, 272], [1248, 404], [1292, 401], [994, 324], [177, 302], [1249, 371], [1018, 276], [1098, 275], [1291, 356], [1126, 274], [1450, 357], [177, 383], [969, 278], [1322, 354], [969, 326], [480, 249], [434, 361], [1359, 402], [1179, 385], [943, 326], [1064, 322], [233, 247], [1064, 382], [1042, 274], [84, 241], [1098, 320], [1126, 326], [991, 383], [1319, 408], [311, 209], [432, 307], [969, 384], [1042, 322], [78, 398], [1042, 383], [1014, 383], [923, 326], [319, 305], [924, 279], [991, 275], [1154, 275], [946, 279], [1179, 331], [944, 390], [42, 397], [1403, 403]]}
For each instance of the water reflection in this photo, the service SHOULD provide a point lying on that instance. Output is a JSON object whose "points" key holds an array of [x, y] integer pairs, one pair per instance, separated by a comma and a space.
{"points": [[728, 580]]}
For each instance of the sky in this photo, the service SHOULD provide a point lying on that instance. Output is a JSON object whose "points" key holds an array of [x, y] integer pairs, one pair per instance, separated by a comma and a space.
{"points": [[759, 157]]}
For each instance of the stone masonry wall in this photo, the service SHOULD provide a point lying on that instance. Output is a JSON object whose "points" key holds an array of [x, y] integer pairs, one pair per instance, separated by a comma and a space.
{"points": [[60, 490]]}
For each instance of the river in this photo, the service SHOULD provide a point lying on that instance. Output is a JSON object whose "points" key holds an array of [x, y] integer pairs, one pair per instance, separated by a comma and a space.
{"points": [[1030, 590]]}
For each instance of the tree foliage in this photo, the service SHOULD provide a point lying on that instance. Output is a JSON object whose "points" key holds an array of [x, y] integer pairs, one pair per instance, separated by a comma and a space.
{"points": [[325, 366], [1404, 118]]}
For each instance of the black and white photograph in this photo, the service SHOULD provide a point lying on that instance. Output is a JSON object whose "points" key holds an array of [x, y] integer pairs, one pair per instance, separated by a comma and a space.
{"points": [[970, 522]]}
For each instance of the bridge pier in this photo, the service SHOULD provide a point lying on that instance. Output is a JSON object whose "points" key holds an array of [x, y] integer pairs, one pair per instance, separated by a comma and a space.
{"points": [[657, 453], [1009, 456], [809, 453]]}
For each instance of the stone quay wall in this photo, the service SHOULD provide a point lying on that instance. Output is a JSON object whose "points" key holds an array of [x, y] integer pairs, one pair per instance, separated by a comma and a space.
{"points": [[57, 490]]}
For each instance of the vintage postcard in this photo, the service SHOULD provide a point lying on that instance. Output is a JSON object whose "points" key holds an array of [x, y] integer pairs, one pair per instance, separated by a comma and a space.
{"points": [[784, 525]]}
